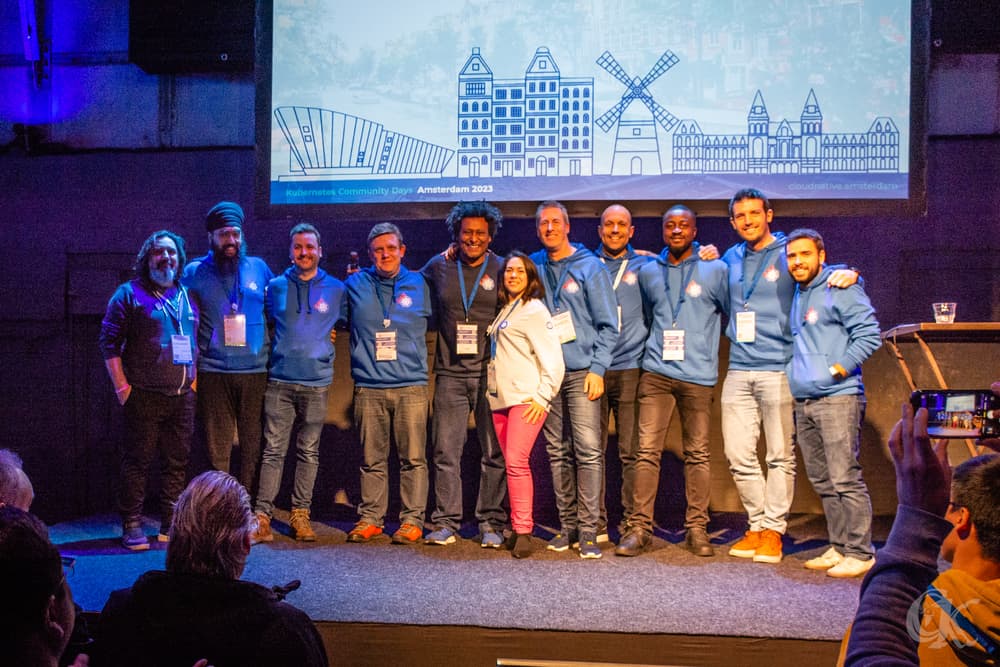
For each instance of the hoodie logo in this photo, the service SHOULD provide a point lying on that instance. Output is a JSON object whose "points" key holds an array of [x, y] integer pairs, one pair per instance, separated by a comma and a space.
{"points": [[571, 286], [629, 278], [693, 290], [404, 300], [321, 305], [812, 316], [771, 275], [252, 286], [487, 284]]}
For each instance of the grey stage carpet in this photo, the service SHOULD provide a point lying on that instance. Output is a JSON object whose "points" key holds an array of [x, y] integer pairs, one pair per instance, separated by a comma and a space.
{"points": [[666, 590]]}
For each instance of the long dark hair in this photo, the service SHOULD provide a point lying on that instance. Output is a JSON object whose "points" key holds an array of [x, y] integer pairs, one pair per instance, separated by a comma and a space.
{"points": [[534, 290], [141, 265]]}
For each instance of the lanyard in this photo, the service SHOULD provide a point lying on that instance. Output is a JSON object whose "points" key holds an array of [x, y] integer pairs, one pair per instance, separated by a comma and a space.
{"points": [[494, 329], [236, 293], [467, 300], [174, 311], [555, 288], [963, 622], [756, 276], [381, 299], [621, 271], [675, 313]]}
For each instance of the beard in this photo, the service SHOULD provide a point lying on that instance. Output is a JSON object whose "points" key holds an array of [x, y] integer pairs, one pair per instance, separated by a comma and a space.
{"points": [[224, 262], [164, 277]]}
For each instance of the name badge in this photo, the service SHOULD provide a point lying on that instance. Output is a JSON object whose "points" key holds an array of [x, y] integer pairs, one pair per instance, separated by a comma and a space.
{"points": [[467, 338], [746, 326], [491, 377], [385, 346], [234, 329], [180, 347], [673, 345], [564, 326]]}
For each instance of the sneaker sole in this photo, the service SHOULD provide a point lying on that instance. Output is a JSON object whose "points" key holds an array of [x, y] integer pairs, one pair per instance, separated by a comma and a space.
{"points": [[137, 547], [557, 549], [354, 537], [743, 553], [591, 556], [491, 545], [442, 543], [818, 567], [767, 559]]}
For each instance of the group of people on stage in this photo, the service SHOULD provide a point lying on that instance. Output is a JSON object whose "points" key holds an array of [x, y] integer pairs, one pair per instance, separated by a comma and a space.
{"points": [[555, 341]]}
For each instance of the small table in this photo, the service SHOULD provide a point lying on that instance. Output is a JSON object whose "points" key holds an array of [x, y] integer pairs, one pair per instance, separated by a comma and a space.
{"points": [[931, 331]]}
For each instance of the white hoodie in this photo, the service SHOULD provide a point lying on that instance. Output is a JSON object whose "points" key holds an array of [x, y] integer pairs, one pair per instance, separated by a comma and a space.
{"points": [[527, 357]]}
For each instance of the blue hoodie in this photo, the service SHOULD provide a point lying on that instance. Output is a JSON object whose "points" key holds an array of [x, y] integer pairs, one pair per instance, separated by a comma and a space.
{"points": [[215, 293], [303, 313], [580, 284], [767, 291], [830, 326], [408, 302], [632, 335], [691, 296]]}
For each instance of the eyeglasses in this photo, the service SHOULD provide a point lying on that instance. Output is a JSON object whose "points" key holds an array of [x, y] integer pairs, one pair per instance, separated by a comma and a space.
{"points": [[952, 506]]}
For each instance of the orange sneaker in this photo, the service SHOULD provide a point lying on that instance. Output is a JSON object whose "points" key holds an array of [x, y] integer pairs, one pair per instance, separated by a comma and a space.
{"points": [[364, 532], [746, 547], [407, 534], [769, 550]]}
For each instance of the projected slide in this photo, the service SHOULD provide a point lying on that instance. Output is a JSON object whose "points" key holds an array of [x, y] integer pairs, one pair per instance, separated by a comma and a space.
{"points": [[384, 102]]}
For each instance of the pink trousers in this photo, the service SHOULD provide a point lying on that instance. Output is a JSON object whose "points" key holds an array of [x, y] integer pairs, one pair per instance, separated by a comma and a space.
{"points": [[517, 438]]}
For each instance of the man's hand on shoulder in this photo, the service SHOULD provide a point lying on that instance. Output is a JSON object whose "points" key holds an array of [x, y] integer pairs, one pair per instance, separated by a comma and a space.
{"points": [[708, 252], [843, 278]]}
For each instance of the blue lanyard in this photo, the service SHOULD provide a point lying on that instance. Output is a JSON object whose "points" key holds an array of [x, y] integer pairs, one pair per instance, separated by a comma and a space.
{"points": [[495, 330], [174, 312], [675, 313], [467, 300], [963, 622], [381, 300], [555, 288], [757, 275]]}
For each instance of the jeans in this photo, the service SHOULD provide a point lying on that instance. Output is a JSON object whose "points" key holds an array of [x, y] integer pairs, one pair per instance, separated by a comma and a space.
{"points": [[752, 400], [657, 397], [828, 430], [454, 399], [231, 406], [155, 422], [621, 397], [401, 414], [573, 442], [517, 439], [287, 405]]}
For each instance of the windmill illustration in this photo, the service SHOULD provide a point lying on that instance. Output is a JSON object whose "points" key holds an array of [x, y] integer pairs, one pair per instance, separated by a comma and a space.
{"points": [[637, 148]]}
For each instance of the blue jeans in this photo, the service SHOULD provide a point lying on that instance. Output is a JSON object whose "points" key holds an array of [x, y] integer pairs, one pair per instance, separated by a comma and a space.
{"points": [[828, 430], [752, 400], [573, 442], [381, 415], [454, 398], [287, 405]]}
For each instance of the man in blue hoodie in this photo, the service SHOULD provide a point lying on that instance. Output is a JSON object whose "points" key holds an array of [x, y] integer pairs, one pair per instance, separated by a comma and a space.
{"points": [[302, 306], [833, 332], [621, 381], [581, 300], [389, 308], [228, 289], [684, 299]]}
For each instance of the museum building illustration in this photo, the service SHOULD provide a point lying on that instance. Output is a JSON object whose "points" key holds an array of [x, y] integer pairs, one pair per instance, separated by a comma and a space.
{"points": [[543, 124]]}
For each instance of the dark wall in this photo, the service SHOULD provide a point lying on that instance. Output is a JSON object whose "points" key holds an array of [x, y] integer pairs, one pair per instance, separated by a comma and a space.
{"points": [[71, 223]]}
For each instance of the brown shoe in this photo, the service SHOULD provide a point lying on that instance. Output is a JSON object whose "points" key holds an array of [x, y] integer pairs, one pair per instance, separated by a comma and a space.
{"points": [[407, 534], [746, 547], [262, 533], [301, 526], [769, 550]]}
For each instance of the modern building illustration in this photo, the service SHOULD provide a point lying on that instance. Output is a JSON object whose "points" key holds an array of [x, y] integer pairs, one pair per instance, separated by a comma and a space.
{"points": [[324, 143], [786, 147]]}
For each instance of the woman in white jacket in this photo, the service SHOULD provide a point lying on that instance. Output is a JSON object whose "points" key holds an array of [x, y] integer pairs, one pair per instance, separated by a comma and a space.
{"points": [[525, 371]]}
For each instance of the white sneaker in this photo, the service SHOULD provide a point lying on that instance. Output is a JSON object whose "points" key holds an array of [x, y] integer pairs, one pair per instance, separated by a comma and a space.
{"points": [[850, 567], [829, 558]]}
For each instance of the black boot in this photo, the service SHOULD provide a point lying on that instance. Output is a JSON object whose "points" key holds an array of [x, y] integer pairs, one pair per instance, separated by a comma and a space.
{"points": [[522, 545]]}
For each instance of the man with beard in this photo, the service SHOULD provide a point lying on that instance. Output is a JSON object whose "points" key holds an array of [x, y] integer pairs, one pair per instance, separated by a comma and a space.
{"points": [[464, 293], [228, 288], [302, 305], [147, 340]]}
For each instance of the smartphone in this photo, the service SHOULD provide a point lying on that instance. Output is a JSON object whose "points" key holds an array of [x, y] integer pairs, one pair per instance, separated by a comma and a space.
{"points": [[959, 413]]}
